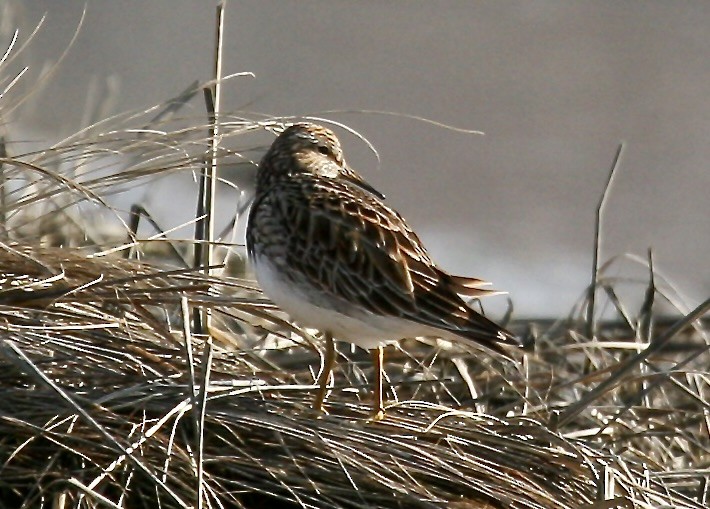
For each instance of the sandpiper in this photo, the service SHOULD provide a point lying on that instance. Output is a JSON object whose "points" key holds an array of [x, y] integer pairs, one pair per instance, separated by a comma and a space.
{"points": [[332, 255]]}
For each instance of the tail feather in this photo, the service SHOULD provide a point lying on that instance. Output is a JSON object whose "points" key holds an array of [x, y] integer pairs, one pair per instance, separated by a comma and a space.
{"points": [[467, 282], [470, 286], [484, 332], [442, 306]]}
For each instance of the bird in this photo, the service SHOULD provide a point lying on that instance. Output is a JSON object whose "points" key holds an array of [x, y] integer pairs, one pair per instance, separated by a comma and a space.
{"points": [[330, 253]]}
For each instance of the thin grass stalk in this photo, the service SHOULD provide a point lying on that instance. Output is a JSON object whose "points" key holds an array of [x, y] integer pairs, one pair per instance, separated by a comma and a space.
{"points": [[213, 101], [591, 299], [3, 184]]}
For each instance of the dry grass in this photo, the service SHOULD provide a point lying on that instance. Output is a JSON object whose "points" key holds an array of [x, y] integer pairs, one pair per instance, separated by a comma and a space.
{"points": [[99, 401], [109, 399]]}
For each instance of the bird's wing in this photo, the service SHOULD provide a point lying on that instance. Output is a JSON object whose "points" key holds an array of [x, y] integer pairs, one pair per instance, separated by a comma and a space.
{"points": [[353, 247]]}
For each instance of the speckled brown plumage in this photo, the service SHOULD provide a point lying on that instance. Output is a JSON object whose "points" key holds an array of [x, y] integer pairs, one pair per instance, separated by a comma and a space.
{"points": [[327, 235]]}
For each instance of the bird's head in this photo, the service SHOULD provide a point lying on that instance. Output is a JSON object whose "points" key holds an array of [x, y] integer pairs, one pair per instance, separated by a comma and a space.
{"points": [[308, 148]]}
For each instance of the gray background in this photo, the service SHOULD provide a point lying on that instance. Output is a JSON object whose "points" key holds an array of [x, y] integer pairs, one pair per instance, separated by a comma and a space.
{"points": [[555, 85]]}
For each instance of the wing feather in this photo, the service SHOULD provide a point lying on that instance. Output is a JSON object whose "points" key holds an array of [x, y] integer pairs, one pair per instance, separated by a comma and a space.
{"points": [[351, 246]]}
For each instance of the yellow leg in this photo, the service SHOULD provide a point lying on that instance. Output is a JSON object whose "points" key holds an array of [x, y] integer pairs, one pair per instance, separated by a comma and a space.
{"points": [[378, 360], [328, 362]]}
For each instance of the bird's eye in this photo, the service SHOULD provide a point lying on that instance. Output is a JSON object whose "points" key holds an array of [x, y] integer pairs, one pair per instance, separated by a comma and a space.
{"points": [[323, 150]]}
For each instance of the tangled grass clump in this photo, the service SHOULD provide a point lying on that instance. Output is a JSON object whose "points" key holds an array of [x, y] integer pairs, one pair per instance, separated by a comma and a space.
{"points": [[101, 403]]}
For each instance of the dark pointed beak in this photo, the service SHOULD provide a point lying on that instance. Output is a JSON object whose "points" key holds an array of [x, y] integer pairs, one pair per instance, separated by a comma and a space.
{"points": [[355, 179]]}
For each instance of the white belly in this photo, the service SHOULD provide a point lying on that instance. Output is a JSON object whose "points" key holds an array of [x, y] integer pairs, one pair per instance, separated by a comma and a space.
{"points": [[359, 327]]}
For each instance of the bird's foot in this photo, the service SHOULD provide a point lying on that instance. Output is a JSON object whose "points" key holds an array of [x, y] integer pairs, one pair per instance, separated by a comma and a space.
{"points": [[318, 410], [378, 415]]}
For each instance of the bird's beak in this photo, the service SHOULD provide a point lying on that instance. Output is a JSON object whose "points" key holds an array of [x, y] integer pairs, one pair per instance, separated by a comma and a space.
{"points": [[354, 178]]}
